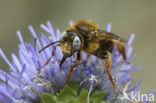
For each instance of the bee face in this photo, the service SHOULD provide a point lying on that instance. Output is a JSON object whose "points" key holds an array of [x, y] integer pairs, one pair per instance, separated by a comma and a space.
{"points": [[66, 48], [71, 43]]}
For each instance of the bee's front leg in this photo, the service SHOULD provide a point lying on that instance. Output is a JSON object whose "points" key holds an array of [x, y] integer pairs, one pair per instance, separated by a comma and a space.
{"points": [[75, 65], [107, 66], [46, 63]]}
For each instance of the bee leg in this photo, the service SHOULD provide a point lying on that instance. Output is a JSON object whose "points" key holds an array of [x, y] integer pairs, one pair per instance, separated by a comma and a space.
{"points": [[75, 65], [121, 49], [108, 65], [46, 63]]}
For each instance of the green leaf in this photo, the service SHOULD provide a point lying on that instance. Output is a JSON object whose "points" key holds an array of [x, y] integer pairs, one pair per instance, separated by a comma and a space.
{"points": [[69, 95], [66, 95], [74, 86], [97, 97], [47, 98], [83, 97]]}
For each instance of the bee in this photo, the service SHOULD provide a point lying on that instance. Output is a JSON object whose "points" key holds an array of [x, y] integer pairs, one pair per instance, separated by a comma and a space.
{"points": [[85, 35]]}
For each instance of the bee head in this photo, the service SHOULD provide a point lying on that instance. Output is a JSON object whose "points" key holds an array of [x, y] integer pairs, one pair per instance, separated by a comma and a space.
{"points": [[70, 43]]}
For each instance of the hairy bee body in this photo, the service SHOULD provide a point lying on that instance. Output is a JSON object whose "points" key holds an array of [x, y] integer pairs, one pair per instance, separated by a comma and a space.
{"points": [[94, 40]]}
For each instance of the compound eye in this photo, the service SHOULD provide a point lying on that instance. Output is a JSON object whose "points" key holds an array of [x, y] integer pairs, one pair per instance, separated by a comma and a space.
{"points": [[76, 43]]}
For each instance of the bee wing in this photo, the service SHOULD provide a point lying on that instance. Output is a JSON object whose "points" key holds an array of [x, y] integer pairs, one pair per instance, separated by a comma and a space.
{"points": [[109, 35]]}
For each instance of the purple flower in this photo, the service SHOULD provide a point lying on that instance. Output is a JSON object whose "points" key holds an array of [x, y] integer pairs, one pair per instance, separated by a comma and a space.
{"points": [[23, 83]]}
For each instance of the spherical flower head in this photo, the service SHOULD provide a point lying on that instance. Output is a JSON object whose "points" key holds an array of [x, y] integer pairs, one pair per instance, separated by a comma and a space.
{"points": [[24, 83]]}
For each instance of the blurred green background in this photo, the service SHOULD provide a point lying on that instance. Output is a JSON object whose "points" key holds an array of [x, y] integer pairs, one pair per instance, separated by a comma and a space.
{"points": [[126, 17]]}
